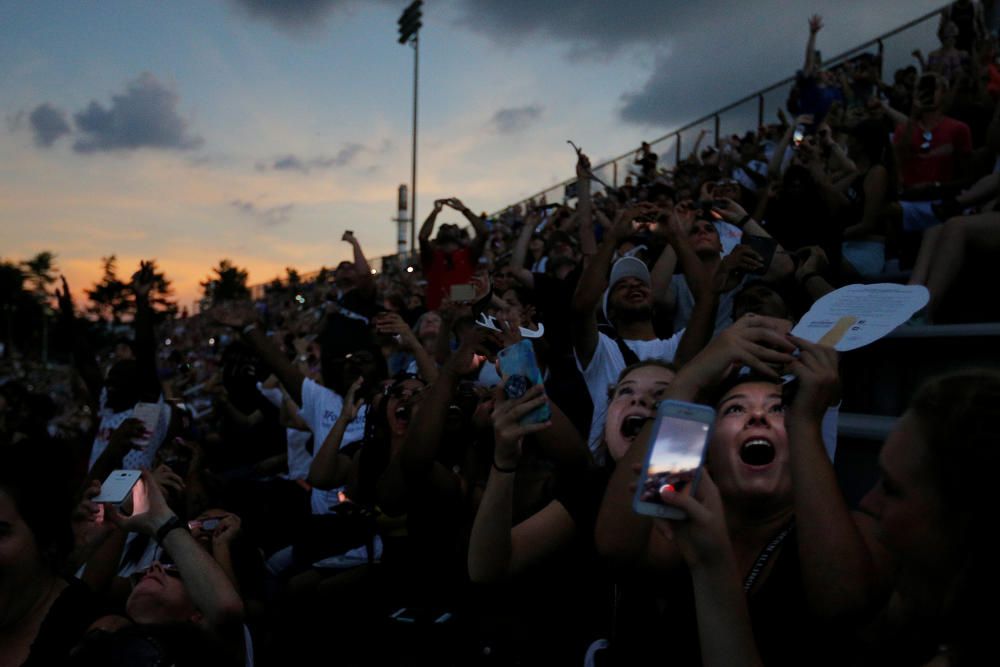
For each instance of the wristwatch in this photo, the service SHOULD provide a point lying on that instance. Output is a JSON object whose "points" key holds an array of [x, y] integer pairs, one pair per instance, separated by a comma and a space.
{"points": [[172, 523]]}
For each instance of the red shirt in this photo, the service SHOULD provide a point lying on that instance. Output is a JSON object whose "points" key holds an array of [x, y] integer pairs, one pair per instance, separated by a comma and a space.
{"points": [[950, 138], [447, 269]]}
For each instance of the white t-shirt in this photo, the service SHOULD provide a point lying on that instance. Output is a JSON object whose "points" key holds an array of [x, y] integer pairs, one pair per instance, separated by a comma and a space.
{"points": [[299, 458], [136, 458], [608, 363], [320, 409]]}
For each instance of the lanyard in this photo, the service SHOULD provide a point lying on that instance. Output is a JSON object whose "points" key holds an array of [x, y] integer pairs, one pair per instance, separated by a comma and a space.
{"points": [[765, 556]]}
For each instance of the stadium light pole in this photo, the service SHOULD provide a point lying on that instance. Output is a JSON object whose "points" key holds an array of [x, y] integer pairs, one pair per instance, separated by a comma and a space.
{"points": [[409, 31]]}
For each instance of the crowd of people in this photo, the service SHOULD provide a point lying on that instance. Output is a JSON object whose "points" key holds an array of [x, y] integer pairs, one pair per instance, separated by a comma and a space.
{"points": [[345, 471]]}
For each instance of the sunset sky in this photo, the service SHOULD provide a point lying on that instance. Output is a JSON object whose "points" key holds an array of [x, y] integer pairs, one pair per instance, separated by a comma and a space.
{"points": [[259, 130]]}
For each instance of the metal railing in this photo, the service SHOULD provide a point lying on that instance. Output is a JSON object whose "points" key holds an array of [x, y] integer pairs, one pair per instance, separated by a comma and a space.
{"points": [[612, 171], [609, 171]]}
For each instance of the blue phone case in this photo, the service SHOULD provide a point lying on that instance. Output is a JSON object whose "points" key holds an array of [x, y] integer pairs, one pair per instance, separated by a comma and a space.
{"points": [[520, 373]]}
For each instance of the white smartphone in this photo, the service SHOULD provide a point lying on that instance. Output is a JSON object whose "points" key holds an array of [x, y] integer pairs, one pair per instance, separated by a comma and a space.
{"points": [[679, 440], [117, 487]]}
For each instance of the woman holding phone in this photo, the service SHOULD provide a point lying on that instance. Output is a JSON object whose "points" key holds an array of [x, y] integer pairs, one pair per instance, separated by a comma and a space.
{"points": [[797, 548], [930, 508]]}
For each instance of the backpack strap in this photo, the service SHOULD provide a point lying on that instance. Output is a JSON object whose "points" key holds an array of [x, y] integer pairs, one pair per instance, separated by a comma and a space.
{"points": [[628, 354]]}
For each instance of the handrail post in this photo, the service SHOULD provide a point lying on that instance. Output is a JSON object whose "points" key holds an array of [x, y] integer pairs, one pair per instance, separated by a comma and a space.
{"points": [[718, 139], [760, 110], [677, 156], [614, 174], [881, 53]]}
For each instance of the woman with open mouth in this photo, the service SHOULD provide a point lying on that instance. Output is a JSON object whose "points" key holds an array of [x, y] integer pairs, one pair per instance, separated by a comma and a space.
{"points": [[793, 546]]}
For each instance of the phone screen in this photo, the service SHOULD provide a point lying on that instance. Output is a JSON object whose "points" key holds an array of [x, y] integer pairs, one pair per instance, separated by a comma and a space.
{"points": [[799, 135], [676, 456]]}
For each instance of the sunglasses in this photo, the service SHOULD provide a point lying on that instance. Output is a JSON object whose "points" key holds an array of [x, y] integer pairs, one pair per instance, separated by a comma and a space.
{"points": [[926, 146]]}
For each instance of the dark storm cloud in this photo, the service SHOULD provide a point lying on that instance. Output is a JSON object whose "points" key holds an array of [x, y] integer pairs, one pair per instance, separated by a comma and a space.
{"points": [[509, 121], [144, 116], [48, 124], [344, 157], [604, 27], [291, 15], [271, 216]]}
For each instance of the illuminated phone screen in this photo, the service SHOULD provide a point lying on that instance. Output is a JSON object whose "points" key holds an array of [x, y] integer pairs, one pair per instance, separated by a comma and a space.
{"points": [[676, 457]]}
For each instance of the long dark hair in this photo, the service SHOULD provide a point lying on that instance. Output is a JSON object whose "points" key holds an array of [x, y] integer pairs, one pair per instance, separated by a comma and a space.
{"points": [[377, 444], [959, 416]]}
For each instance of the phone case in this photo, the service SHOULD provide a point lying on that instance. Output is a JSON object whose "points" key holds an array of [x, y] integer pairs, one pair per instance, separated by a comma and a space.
{"points": [[763, 246], [520, 373], [677, 447], [117, 487]]}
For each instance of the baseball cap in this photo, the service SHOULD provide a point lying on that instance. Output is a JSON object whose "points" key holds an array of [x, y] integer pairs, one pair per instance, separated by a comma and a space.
{"points": [[626, 267]]}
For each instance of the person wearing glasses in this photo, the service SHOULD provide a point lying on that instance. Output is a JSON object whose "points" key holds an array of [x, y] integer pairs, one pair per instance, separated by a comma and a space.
{"points": [[932, 148]]}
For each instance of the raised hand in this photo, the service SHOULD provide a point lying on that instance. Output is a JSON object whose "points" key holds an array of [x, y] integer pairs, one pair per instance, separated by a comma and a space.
{"points": [[757, 341], [819, 379], [508, 431], [228, 529], [392, 323], [743, 259], [353, 403], [815, 261], [348, 237], [168, 481], [702, 538], [815, 24], [149, 508], [729, 210]]}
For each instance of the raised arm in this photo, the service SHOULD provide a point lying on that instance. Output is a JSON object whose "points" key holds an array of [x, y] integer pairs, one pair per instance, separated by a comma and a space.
{"points": [[329, 468], [242, 318], [841, 573], [498, 550], [478, 225], [585, 205], [781, 263], [724, 629], [523, 275], [210, 589], [392, 323], [815, 25], [360, 263], [593, 282], [627, 538], [424, 237]]}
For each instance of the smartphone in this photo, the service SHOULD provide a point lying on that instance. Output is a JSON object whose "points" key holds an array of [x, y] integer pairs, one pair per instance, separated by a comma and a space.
{"points": [[680, 438], [206, 525], [149, 415], [799, 134], [117, 487], [463, 292], [519, 371], [763, 246]]}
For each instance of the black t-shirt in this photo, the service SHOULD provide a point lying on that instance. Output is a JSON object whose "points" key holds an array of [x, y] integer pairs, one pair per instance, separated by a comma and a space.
{"points": [[555, 301], [651, 623], [76, 608]]}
